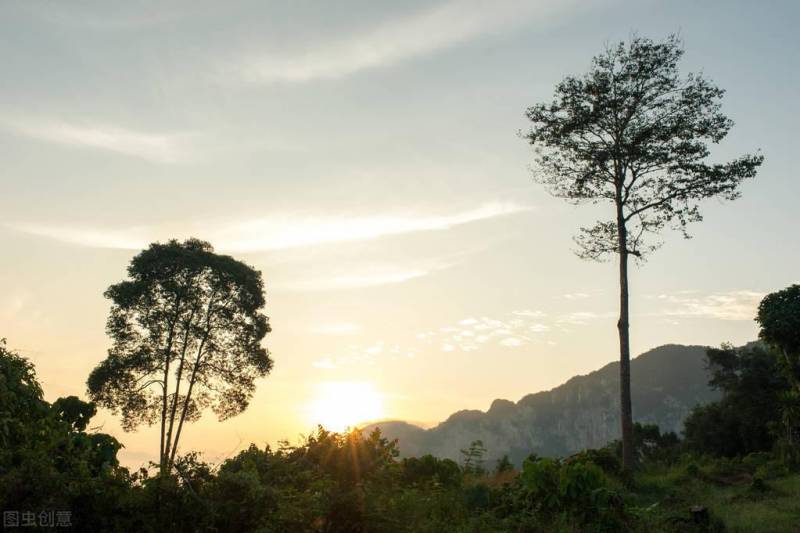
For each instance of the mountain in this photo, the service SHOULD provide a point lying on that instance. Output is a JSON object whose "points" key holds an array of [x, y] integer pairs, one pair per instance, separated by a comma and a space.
{"points": [[667, 382]]}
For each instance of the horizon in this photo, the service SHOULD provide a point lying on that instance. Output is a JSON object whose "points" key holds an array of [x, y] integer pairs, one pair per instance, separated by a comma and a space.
{"points": [[371, 169]]}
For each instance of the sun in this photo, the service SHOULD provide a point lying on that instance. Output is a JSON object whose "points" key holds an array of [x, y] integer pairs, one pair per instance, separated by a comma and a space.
{"points": [[343, 405]]}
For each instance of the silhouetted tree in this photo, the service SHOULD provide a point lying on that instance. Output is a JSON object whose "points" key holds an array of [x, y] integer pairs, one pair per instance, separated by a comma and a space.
{"points": [[473, 457], [187, 330], [47, 460], [779, 318], [742, 421], [430, 470], [503, 465], [633, 133]]}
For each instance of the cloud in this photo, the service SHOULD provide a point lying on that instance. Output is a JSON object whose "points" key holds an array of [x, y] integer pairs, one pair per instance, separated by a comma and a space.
{"points": [[528, 313], [518, 328], [511, 342], [725, 305], [582, 317], [361, 354], [342, 328], [369, 278], [270, 234], [325, 363], [435, 28], [129, 239], [576, 296], [474, 333], [275, 232], [114, 17], [153, 147]]}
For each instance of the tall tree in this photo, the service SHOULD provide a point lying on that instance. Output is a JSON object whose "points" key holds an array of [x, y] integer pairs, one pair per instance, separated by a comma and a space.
{"points": [[634, 133], [187, 330]]}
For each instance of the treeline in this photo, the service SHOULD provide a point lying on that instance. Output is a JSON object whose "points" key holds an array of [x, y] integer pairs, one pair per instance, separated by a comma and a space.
{"points": [[50, 462]]}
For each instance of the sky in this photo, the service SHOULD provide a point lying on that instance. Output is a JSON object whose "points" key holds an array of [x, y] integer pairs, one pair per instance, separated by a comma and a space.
{"points": [[366, 157]]}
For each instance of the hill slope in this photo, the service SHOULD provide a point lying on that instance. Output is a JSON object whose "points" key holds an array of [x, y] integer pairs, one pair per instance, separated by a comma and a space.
{"points": [[582, 413]]}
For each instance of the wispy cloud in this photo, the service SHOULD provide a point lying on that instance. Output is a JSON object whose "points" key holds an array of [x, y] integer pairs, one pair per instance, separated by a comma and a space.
{"points": [[370, 277], [276, 232], [429, 30], [107, 17], [576, 296], [580, 318], [339, 328], [361, 354], [725, 305], [474, 333], [272, 233], [326, 363], [128, 239], [154, 147]]}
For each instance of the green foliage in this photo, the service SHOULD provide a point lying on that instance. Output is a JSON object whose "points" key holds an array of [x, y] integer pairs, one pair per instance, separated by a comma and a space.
{"points": [[652, 445], [47, 460], [503, 465], [74, 412], [741, 422], [779, 318], [20, 401], [649, 443], [578, 488], [431, 471], [607, 458], [472, 459]]}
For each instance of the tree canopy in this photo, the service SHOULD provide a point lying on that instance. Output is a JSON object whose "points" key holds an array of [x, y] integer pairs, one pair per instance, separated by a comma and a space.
{"points": [[753, 388], [779, 318], [187, 330], [634, 132]]}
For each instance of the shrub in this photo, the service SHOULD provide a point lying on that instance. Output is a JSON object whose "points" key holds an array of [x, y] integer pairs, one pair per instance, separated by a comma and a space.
{"points": [[430, 470], [577, 489]]}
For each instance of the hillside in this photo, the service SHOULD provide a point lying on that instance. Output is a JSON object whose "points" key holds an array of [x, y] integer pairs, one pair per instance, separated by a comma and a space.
{"points": [[582, 413]]}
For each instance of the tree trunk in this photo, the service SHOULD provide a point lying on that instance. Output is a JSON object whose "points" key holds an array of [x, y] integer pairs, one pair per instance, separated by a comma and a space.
{"points": [[623, 325], [164, 393]]}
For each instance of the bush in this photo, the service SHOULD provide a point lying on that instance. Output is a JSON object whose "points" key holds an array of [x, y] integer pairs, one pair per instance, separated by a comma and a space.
{"points": [[577, 490], [430, 470]]}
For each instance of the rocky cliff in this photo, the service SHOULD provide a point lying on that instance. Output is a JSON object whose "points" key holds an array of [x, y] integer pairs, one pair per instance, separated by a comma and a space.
{"points": [[582, 413]]}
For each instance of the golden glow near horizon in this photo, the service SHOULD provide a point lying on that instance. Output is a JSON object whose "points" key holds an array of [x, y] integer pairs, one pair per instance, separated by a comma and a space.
{"points": [[343, 405]]}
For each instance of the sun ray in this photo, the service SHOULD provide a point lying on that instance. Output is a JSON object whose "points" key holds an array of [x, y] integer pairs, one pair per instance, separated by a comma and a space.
{"points": [[341, 405]]}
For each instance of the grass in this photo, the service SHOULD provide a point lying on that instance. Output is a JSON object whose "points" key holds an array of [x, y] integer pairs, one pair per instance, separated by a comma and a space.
{"points": [[775, 510], [736, 503]]}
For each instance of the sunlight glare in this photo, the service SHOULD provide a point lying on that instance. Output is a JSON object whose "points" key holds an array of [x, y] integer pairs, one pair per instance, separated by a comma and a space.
{"points": [[342, 405]]}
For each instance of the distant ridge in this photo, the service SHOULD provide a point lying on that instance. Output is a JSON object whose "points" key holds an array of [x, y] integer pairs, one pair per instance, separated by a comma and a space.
{"points": [[667, 382]]}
